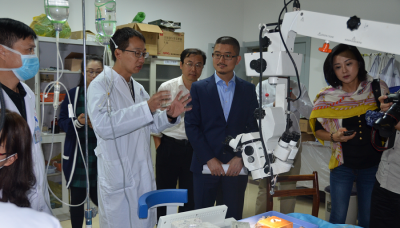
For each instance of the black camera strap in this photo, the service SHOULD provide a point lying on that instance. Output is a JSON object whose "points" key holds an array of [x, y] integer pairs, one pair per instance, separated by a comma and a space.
{"points": [[390, 141], [376, 90]]}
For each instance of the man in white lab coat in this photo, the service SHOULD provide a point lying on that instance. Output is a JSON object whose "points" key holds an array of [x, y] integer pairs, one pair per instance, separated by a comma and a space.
{"points": [[18, 62], [123, 115]]}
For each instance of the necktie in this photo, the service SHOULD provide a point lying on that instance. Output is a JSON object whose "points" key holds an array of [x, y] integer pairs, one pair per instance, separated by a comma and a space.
{"points": [[130, 84]]}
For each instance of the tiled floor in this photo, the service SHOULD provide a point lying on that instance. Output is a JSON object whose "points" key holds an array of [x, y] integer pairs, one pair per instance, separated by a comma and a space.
{"points": [[303, 205]]}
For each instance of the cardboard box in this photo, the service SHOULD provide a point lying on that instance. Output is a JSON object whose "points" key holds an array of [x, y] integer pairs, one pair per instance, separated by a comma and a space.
{"points": [[90, 36], [171, 43], [307, 137], [150, 33], [73, 61], [305, 126], [46, 77]]}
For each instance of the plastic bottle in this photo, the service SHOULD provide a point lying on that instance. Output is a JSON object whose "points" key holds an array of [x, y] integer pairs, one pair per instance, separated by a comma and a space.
{"points": [[105, 18], [57, 11]]}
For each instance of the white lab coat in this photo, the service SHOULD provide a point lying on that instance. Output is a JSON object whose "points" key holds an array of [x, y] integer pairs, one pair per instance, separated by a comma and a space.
{"points": [[38, 195], [374, 71], [12, 216], [132, 123], [391, 73]]}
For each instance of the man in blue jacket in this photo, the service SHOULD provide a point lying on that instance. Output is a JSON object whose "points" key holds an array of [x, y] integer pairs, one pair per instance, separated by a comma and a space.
{"points": [[223, 105]]}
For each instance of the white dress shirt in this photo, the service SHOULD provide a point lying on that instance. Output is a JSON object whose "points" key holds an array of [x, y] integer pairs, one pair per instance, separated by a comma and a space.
{"points": [[302, 106], [388, 174], [175, 86]]}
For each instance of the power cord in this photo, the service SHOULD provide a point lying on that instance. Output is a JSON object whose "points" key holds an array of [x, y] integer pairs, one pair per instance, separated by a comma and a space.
{"points": [[288, 52]]}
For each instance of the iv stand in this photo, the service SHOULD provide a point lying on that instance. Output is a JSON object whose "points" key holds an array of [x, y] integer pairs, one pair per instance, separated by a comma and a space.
{"points": [[89, 214]]}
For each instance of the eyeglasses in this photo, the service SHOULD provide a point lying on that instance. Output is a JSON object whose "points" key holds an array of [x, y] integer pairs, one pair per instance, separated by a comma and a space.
{"points": [[226, 57], [92, 73], [139, 54], [197, 65]]}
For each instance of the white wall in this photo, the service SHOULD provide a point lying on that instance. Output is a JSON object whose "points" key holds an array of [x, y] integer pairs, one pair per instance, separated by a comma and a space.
{"points": [[205, 20], [202, 21], [267, 11]]}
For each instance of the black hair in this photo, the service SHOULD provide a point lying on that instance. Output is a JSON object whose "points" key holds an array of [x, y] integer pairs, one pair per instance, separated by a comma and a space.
{"points": [[121, 39], [18, 178], [193, 51], [231, 41], [89, 58], [329, 73], [11, 31]]}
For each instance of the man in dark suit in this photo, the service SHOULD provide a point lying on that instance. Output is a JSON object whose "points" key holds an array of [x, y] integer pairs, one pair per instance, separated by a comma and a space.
{"points": [[223, 105]]}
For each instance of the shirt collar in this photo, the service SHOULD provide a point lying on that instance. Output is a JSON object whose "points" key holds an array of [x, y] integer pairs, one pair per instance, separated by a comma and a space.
{"points": [[180, 81], [218, 79], [21, 90]]}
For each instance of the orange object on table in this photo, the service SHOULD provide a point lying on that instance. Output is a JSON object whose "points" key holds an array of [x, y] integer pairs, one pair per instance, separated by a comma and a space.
{"points": [[50, 97], [274, 222], [57, 165]]}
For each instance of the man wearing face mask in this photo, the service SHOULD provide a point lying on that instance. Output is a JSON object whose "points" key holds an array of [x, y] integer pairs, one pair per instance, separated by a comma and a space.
{"points": [[18, 62]]}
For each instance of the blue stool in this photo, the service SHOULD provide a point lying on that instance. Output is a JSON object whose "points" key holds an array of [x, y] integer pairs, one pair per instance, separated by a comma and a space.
{"points": [[171, 198]]}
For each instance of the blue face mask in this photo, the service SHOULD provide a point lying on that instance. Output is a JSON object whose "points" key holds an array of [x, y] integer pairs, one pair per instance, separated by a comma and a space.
{"points": [[30, 66]]}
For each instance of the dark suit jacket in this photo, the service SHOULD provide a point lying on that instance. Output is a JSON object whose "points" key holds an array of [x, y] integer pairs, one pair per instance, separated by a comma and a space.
{"points": [[206, 127]]}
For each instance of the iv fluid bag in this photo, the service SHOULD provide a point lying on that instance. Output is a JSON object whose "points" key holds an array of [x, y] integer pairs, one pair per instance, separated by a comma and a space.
{"points": [[57, 10], [105, 17]]}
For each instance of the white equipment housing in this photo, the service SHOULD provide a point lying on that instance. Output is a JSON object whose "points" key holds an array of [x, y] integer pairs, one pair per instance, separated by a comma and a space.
{"points": [[373, 35]]}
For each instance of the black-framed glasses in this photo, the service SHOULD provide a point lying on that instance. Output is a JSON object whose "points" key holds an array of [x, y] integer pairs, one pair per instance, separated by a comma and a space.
{"points": [[226, 57], [92, 73], [139, 54], [197, 65]]}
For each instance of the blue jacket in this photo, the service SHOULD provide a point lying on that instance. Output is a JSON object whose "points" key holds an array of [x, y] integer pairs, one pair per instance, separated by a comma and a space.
{"points": [[70, 145], [206, 127]]}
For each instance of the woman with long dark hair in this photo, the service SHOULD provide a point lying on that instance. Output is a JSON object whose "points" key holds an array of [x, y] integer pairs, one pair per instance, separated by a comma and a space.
{"points": [[16, 169], [339, 116], [73, 167]]}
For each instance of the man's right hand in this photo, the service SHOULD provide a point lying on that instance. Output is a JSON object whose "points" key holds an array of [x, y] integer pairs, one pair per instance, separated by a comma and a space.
{"points": [[384, 106], [215, 167], [158, 99]]}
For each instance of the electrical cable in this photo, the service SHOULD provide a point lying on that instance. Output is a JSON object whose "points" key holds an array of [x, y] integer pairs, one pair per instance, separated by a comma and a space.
{"points": [[48, 163], [284, 3], [109, 88], [47, 89], [260, 87], [288, 52], [51, 150], [260, 109], [122, 165]]}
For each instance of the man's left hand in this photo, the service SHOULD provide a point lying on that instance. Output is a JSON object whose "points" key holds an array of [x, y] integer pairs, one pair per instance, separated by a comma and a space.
{"points": [[178, 105], [235, 166]]}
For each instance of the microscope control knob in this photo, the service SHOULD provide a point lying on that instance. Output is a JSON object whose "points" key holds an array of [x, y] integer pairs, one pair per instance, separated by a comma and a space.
{"points": [[353, 23], [259, 65], [248, 150], [250, 159]]}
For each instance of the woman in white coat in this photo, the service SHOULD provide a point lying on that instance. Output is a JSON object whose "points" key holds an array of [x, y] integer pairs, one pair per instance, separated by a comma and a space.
{"points": [[18, 62], [122, 116]]}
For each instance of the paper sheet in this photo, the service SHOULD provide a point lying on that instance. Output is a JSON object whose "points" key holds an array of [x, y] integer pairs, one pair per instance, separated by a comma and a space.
{"points": [[206, 170]]}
